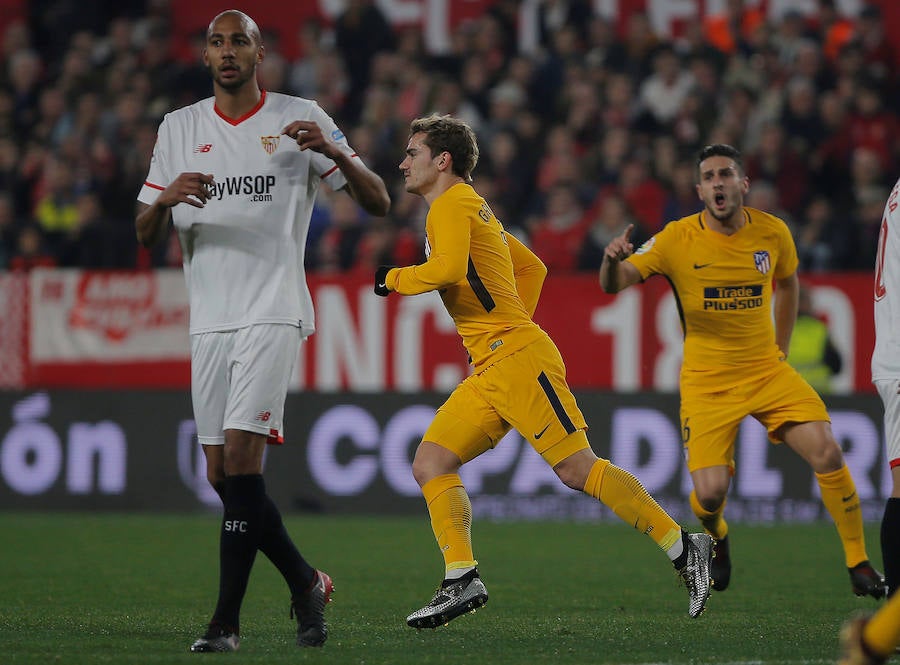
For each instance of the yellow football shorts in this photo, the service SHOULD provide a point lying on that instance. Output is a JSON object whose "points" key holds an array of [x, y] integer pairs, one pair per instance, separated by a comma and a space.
{"points": [[526, 390], [710, 420]]}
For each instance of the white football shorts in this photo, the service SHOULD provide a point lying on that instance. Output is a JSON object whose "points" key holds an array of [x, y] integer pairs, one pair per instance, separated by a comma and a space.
{"points": [[887, 388], [239, 380]]}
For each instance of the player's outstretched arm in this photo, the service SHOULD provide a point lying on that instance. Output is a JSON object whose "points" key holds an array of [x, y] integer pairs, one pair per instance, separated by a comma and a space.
{"points": [[363, 184], [152, 220], [617, 274]]}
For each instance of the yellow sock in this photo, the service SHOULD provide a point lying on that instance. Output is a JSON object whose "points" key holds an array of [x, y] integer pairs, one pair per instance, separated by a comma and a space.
{"points": [[840, 498], [628, 499], [451, 520], [882, 633], [714, 522]]}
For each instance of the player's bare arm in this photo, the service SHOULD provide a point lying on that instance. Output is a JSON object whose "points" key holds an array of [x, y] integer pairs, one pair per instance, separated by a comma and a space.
{"points": [[152, 220], [615, 273], [786, 298], [366, 187]]}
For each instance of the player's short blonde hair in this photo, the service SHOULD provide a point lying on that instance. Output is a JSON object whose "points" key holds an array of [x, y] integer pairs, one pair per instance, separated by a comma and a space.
{"points": [[444, 133]]}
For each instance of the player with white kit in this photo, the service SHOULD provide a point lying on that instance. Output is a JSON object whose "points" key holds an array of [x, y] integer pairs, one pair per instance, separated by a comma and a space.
{"points": [[872, 640], [238, 174]]}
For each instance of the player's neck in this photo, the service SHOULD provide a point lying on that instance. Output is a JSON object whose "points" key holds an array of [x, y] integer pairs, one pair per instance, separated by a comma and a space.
{"points": [[441, 185], [235, 104], [728, 226]]}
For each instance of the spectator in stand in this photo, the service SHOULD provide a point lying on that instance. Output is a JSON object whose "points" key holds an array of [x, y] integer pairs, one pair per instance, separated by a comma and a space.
{"points": [[865, 223], [558, 236], [56, 211], [816, 235], [878, 51], [731, 30], [639, 44], [663, 93], [360, 32], [619, 108], [447, 99], [605, 160], [92, 242], [609, 218], [30, 251], [775, 161], [681, 199], [813, 353], [832, 29], [337, 248], [643, 194], [800, 117], [513, 179], [8, 230], [873, 126]]}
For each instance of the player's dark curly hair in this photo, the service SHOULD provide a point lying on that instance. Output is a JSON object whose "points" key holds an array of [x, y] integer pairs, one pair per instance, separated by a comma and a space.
{"points": [[721, 150], [444, 133]]}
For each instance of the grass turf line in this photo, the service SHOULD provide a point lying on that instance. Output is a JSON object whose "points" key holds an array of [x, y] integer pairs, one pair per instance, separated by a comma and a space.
{"points": [[137, 589]]}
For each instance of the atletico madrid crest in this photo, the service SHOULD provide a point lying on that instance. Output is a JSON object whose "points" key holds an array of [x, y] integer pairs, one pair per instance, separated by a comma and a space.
{"points": [[762, 261], [269, 143]]}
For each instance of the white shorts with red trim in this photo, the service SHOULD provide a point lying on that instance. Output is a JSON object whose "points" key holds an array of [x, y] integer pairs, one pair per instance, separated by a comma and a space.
{"points": [[887, 388], [239, 380]]}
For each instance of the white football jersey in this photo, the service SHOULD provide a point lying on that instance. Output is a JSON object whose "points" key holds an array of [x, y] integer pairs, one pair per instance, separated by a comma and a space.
{"points": [[886, 357], [244, 250]]}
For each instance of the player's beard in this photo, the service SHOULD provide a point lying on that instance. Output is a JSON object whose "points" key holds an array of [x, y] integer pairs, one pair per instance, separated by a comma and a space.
{"points": [[234, 83], [731, 207]]}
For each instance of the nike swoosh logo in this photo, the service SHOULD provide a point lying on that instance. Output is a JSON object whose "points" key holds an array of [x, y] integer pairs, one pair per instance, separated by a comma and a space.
{"points": [[541, 433], [697, 266], [382, 285], [845, 499]]}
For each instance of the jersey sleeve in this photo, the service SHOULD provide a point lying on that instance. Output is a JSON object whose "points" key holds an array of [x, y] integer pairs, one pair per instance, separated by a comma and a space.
{"points": [[650, 258], [529, 272], [787, 256], [322, 165], [447, 262], [160, 175]]}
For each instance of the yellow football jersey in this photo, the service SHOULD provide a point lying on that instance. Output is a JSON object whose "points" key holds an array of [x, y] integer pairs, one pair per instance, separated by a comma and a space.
{"points": [[489, 281], [723, 286]]}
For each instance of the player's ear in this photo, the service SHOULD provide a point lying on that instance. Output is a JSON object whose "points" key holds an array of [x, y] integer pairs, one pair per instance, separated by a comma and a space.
{"points": [[260, 53]]}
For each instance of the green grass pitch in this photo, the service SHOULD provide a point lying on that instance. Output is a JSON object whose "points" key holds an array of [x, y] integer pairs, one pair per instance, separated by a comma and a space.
{"points": [[137, 589]]}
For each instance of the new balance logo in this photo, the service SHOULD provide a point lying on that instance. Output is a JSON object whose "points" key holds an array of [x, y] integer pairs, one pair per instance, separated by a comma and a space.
{"points": [[203, 147], [263, 416]]}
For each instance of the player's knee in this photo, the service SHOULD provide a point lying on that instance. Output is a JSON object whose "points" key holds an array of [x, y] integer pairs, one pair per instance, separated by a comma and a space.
{"points": [[828, 457], [573, 471], [216, 478], [432, 461], [711, 500]]}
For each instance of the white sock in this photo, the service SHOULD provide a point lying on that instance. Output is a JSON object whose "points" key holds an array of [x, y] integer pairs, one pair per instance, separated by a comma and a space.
{"points": [[676, 550], [456, 573]]}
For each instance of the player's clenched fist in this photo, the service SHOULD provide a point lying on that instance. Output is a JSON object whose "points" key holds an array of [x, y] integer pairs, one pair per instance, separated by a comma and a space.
{"points": [[621, 247]]}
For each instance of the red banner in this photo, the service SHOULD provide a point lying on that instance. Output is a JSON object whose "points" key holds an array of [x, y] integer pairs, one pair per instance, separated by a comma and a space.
{"points": [[127, 330]]}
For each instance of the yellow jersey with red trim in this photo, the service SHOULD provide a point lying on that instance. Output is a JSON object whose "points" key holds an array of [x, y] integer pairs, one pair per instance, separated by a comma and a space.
{"points": [[723, 287], [488, 280]]}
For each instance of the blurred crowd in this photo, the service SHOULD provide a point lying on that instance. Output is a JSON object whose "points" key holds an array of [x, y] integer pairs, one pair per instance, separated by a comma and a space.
{"points": [[593, 129]]}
